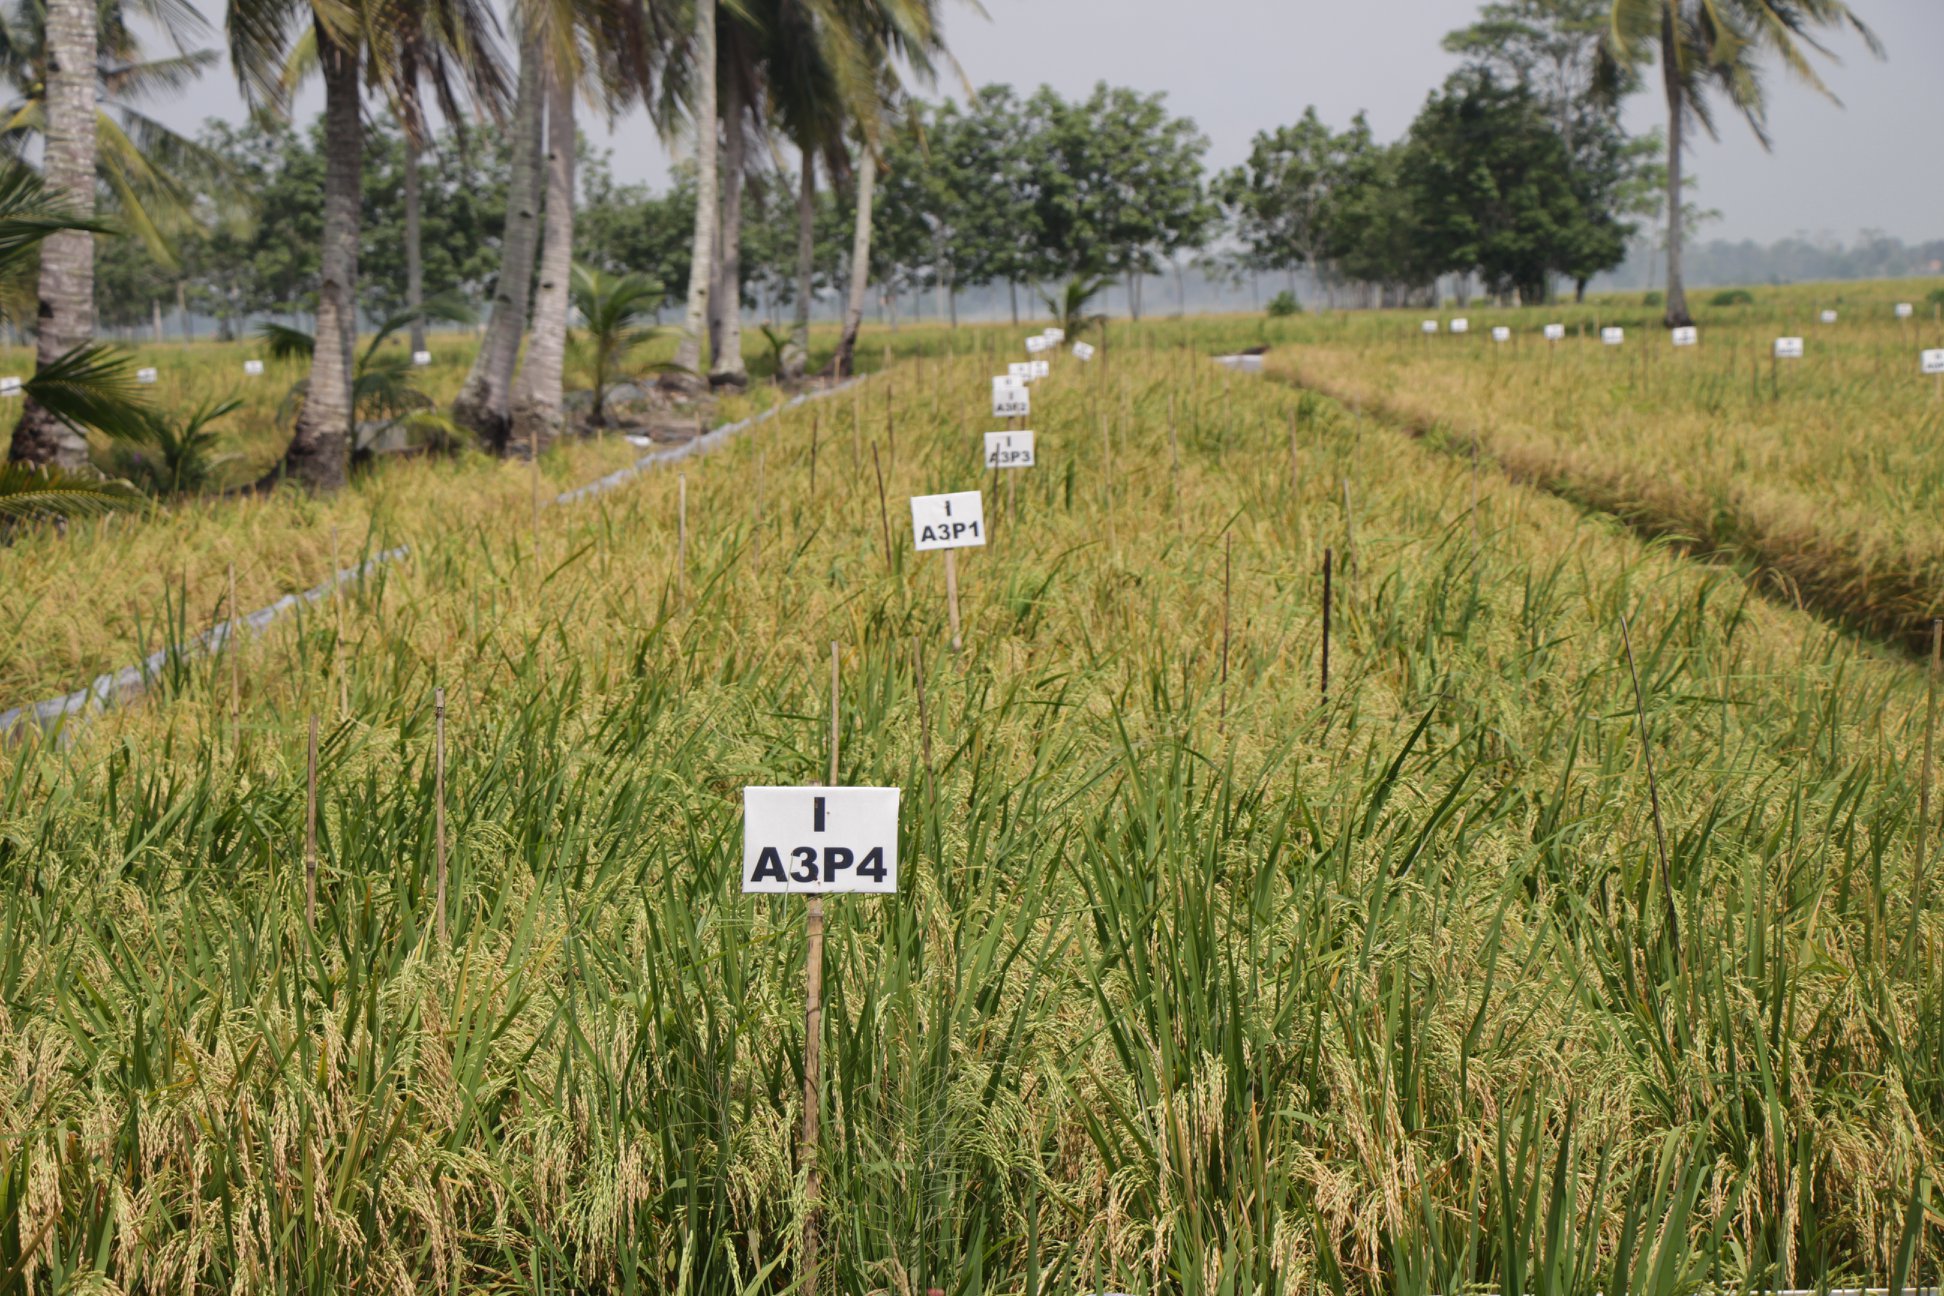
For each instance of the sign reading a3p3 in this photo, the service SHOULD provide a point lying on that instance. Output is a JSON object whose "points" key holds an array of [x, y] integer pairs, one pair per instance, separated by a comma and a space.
{"points": [[955, 521], [1009, 449], [805, 839], [1010, 399]]}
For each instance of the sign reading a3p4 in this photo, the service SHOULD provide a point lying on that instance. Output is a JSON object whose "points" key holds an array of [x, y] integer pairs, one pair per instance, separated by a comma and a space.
{"points": [[955, 521], [1934, 362], [1010, 398], [1009, 449], [818, 839]]}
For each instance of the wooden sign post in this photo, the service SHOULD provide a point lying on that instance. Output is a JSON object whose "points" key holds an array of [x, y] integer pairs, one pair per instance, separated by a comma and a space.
{"points": [[811, 841], [949, 522]]}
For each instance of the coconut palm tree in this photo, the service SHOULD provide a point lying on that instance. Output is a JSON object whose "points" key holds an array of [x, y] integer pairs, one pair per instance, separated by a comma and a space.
{"points": [[701, 64], [352, 40], [66, 317], [140, 162], [536, 409], [1719, 45]]}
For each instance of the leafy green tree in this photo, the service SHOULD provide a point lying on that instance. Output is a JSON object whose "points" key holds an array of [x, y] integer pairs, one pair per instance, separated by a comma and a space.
{"points": [[1706, 46], [1486, 177], [1282, 202]]}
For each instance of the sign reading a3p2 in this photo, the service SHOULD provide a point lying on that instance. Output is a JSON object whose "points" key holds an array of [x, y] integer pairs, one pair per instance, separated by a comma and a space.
{"points": [[818, 839], [955, 521], [1009, 449]]}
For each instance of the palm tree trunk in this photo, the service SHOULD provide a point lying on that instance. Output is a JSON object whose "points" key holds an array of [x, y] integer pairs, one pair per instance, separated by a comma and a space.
{"points": [[728, 369], [484, 401], [414, 255], [796, 356], [319, 456], [536, 405], [688, 351], [1677, 308], [843, 364], [66, 256]]}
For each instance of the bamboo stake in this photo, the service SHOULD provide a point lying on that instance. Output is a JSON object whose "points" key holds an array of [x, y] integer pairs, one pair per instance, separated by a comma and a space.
{"points": [[1295, 460], [681, 536], [438, 806], [813, 927], [884, 512], [815, 420], [337, 617], [951, 596], [233, 642], [310, 829], [1653, 794], [1327, 556], [1228, 556], [1924, 788]]}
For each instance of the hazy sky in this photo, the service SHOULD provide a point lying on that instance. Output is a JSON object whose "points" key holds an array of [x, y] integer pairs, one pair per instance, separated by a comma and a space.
{"points": [[1238, 66]]}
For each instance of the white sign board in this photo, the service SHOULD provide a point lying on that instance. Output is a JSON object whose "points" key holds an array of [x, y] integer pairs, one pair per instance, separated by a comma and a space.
{"points": [[1905, 310], [1788, 348], [1009, 449], [818, 839], [253, 367], [1429, 326], [1020, 371], [1461, 325], [1039, 368], [145, 376], [1688, 336], [9, 386], [1501, 334], [1613, 336], [1829, 317], [955, 521], [1083, 350], [1555, 332], [1934, 362], [1037, 343], [1054, 335], [1010, 399], [421, 358]]}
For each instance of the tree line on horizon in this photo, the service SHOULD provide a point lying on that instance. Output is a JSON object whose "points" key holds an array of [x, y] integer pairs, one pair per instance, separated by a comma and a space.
{"points": [[816, 167]]}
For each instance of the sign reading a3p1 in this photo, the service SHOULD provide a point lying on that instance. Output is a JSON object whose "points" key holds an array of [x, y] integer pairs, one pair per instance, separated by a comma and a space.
{"points": [[1687, 336], [1010, 398], [820, 839], [1009, 449], [1083, 351], [955, 521], [1555, 332], [1788, 348], [1934, 362], [1613, 336]]}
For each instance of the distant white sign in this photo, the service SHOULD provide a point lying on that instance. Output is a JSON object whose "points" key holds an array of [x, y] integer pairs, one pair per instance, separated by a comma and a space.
{"points": [[1555, 332], [145, 376], [1461, 325], [1010, 399], [1501, 334], [9, 386], [1934, 362], [253, 367], [1613, 336], [1040, 368], [1829, 317], [1037, 343], [421, 358], [1429, 326], [820, 839], [1788, 348], [954, 521], [1688, 336], [1905, 310], [1083, 351], [1020, 371], [1009, 449], [1054, 335]]}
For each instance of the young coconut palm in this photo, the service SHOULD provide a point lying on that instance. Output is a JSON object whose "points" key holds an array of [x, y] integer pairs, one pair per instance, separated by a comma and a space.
{"points": [[614, 311], [1719, 44]]}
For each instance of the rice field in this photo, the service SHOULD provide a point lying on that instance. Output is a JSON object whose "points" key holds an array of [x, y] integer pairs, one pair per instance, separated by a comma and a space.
{"points": [[1584, 937]]}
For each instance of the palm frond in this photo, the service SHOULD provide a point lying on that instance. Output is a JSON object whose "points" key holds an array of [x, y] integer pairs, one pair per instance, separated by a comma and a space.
{"points": [[92, 386], [28, 492], [286, 343]]}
